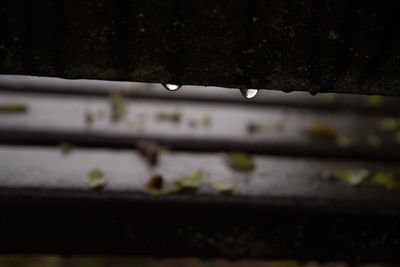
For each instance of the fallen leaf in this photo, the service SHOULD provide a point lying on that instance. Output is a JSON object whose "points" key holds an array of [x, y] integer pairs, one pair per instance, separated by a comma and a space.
{"points": [[161, 148], [240, 161], [149, 150], [13, 107], [156, 181], [88, 116], [163, 191], [191, 181], [254, 127], [66, 148], [389, 124], [374, 140], [206, 120], [344, 141], [331, 96], [174, 116], [96, 179], [352, 177], [118, 106], [386, 179], [397, 137], [221, 187], [322, 131], [155, 185], [375, 101]]}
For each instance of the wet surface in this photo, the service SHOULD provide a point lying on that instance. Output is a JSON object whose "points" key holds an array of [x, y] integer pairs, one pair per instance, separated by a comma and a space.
{"points": [[227, 124], [286, 207], [126, 171]]}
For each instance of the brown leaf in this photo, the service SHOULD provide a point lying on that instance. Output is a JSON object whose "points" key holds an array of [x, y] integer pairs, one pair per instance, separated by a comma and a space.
{"points": [[149, 150]]}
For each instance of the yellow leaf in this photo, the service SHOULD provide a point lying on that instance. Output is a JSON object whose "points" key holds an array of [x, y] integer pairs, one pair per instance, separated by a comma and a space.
{"points": [[344, 141], [322, 131], [12, 107], [174, 116], [191, 181], [118, 106], [352, 177], [389, 124], [375, 101], [253, 127], [221, 187], [374, 140], [96, 178], [386, 179]]}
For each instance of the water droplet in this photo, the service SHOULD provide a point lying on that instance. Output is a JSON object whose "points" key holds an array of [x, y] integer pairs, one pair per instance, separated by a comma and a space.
{"points": [[171, 87], [313, 92], [287, 90], [248, 93]]}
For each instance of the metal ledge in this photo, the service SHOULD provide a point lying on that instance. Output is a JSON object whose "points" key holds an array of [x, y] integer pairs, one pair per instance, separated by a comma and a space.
{"points": [[324, 46]]}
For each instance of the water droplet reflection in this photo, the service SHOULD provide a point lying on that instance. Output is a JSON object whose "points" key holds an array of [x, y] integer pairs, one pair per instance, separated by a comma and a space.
{"points": [[248, 93], [171, 87]]}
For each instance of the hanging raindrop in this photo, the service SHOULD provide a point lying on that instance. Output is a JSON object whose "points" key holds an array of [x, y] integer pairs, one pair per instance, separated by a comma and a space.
{"points": [[248, 93], [171, 87]]}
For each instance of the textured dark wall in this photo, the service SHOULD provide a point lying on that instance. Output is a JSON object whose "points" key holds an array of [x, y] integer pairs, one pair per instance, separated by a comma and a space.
{"points": [[316, 45]]}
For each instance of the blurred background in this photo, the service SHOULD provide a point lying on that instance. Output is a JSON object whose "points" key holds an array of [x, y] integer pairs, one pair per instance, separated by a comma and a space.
{"points": [[55, 261]]}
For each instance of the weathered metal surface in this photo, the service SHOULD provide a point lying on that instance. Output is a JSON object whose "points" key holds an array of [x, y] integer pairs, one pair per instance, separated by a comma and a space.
{"points": [[51, 120], [285, 208], [274, 212], [39, 168], [317, 46]]}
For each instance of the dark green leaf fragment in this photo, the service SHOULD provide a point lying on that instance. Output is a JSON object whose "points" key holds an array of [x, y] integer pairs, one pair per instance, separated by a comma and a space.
{"points": [[88, 116], [13, 107], [66, 148], [240, 161], [255, 127], [174, 116], [118, 106]]}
